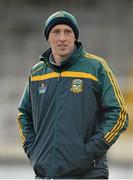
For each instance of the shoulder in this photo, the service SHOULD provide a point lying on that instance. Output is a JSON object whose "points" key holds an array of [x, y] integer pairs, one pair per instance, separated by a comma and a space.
{"points": [[96, 61], [37, 67], [94, 58]]}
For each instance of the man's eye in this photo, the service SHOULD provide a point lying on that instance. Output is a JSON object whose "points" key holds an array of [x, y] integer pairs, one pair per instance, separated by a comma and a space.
{"points": [[68, 31], [56, 32]]}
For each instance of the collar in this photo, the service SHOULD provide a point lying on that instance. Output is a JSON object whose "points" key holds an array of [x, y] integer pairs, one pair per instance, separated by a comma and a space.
{"points": [[52, 61], [46, 57]]}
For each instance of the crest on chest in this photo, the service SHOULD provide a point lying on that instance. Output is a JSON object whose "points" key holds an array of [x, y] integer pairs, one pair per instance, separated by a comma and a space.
{"points": [[77, 86]]}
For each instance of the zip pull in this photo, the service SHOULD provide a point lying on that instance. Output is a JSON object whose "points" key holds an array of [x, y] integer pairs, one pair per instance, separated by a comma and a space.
{"points": [[94, 163], [59, 77]]}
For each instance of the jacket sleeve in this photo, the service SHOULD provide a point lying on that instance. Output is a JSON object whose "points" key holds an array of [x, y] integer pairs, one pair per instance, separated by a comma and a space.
{"points": [[24, 120], [113, 116]]}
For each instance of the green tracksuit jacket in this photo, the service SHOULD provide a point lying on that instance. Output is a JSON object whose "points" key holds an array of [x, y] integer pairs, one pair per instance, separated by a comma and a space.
{"points": [[69, 116]]}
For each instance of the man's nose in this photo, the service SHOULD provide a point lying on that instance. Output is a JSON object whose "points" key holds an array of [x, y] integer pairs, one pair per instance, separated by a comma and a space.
{"points": [[62, 36]]}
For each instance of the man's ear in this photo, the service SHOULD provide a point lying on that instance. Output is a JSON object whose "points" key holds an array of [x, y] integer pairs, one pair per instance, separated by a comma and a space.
{"points": [[48, 40]]}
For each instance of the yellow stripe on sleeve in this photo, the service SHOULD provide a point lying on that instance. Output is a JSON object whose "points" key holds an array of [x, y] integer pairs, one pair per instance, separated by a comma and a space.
{"points": [[122, 115], [20, 128]]}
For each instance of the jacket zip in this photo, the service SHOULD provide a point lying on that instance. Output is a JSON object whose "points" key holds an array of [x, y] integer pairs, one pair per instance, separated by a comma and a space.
{"points": [[54, 144], [59, 77], [94, 163], [53, 156]]}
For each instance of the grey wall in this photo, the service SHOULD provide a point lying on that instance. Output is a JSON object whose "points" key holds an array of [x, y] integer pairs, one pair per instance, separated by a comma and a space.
{"points": [[106, 28]]}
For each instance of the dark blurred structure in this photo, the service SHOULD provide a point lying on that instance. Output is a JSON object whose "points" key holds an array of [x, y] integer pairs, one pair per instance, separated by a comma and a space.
{"points": [[106, 29]]}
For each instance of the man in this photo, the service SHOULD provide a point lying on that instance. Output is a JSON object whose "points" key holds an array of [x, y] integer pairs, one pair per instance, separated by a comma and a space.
{"points": [[72, 109]]}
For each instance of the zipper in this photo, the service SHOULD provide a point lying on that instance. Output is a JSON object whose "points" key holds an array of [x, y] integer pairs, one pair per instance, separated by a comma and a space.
{"points": [[55, 71], [54, 143], [59, 77], [94, 163], [51, 67], [53, 154]]}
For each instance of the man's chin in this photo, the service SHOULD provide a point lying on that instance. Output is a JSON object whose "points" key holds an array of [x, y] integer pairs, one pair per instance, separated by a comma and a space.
{"points": [[63, 54]]}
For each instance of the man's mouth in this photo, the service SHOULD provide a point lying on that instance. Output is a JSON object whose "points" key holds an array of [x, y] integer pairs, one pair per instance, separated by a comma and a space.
{"points": [[62, 45]]}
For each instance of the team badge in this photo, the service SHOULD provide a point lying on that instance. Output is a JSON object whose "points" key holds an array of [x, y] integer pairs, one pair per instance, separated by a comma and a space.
{"points": [[77, 86], [42, 89]]}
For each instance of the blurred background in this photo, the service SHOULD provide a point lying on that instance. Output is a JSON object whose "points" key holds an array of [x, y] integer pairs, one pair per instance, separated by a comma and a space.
{"points": [[106, 28]]}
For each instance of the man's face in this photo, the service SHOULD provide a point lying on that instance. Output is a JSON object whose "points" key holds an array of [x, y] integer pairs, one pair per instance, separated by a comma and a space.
{"points": [[61, 39]]}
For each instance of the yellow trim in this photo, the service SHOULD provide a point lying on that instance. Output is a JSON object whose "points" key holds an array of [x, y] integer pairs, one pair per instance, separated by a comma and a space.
{"points": [[20, 113], [45, 76], [64, 74], [122, 115], [20, 128], [118, 126], [78, 74], [34, 71], [115, 133]]}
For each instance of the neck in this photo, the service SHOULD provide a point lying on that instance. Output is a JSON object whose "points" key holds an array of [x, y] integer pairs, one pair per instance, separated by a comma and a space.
{"points": [[58, 59]]}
